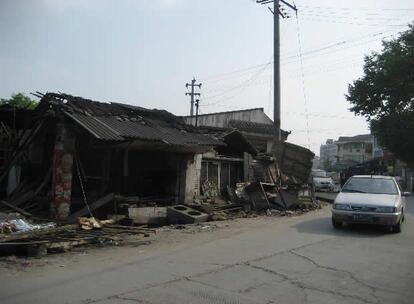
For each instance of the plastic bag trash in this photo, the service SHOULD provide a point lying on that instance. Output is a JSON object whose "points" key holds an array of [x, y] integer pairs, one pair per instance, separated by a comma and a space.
{"points": [[23, 226]]}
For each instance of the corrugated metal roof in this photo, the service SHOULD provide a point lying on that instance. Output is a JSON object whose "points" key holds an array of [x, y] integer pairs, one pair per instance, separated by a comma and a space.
{"points": [[120, 129], [120, 122], [255, 127], [95, 127], [131, 129]]}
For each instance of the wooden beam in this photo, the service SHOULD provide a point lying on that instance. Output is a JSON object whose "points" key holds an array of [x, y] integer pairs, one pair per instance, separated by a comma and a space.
{"points": [[95, 205], [17, 209]]}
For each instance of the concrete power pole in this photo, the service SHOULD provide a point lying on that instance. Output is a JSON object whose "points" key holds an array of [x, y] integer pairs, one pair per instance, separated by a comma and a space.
{"points": [[277, 13], [192, 94]]}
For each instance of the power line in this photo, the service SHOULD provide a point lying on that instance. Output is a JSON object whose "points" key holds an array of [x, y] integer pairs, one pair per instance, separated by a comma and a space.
{"points": [[240, 86], [355, 8], [305, 97], [316, 51], [269, 104], [320, 52], [223, 75], [243, 71], [330, 16], [353, 23], [309, 54], [319, 115]]}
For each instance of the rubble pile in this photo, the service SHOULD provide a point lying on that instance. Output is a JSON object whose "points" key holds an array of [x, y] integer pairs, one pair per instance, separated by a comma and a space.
{"points": [[19, 236]]}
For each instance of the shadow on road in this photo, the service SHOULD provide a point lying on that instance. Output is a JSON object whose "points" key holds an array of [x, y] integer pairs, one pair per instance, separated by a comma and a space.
{"points": [[324, 226]]}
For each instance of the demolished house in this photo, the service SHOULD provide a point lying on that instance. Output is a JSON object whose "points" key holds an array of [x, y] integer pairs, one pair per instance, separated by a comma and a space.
{"points": [[276, 166], [77, 156], [259, 130], [111, 166]]}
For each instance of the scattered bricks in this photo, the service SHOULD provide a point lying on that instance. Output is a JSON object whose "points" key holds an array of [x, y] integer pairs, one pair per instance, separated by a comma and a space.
{"points": [[181, 214]]}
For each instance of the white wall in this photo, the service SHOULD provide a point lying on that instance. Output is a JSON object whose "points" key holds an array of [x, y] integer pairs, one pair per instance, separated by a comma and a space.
{"points": [[222, 119], [192, 178]]}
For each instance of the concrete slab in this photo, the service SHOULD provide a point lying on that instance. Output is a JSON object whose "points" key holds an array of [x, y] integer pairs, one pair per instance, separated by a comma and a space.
{"points": [[148, 215]]}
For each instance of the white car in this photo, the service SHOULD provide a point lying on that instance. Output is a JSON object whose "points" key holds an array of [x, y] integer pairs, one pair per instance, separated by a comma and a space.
{"points": [[370, 199], [323, 184]]}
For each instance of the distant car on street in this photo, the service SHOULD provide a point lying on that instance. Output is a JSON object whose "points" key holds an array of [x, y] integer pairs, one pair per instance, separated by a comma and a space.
{"points": [[370, 199], [322, 182]]}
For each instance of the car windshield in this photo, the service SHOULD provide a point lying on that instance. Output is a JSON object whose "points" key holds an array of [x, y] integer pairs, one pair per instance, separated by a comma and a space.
{"points": [[318, 173], [370, 185]]}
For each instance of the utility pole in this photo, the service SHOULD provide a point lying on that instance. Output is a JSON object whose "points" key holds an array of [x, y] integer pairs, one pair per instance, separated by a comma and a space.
{"points": [[277, 12], [197, 104], [192, 93]]}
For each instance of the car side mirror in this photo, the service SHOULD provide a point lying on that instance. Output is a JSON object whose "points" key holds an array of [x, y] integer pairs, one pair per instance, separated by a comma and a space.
{"points": [[406, 194]]}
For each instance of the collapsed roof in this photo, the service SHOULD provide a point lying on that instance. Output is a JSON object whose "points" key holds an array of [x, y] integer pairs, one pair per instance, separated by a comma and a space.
{"points": [[116, 122]]}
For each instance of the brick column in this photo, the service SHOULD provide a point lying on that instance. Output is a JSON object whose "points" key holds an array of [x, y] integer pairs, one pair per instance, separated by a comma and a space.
{"points": [[62, 174]]}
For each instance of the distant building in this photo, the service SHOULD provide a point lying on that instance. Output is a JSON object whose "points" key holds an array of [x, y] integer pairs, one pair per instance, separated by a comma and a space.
{"points": [[358, 149], [328, 154], [253, 123], [316, 162]]}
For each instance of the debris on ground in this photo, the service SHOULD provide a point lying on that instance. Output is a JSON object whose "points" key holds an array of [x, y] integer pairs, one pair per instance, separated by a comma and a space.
{"points": [[20, 225], [38, 240]]}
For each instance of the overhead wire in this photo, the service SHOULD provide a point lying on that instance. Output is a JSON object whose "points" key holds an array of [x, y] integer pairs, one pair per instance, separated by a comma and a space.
{"points": [[319, 115], [350, 17], [305, 97], [259, 68], [355, 8], [269, 103], [321, 19], [336, 46], [241, 86]]}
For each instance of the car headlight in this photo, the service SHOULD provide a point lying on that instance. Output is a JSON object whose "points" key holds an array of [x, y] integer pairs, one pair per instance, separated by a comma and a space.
{"points": [[341, 207], [386, 209]]}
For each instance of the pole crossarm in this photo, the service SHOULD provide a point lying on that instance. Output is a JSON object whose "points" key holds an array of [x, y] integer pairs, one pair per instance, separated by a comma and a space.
{"points": [[280, 8], [193, 84]]}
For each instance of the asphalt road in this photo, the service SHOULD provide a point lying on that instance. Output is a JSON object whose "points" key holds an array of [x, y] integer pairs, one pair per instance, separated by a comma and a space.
{"points": [[290, 260]]}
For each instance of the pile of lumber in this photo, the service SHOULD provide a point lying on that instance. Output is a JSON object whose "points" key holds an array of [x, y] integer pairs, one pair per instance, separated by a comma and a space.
{"points": [[63, 238]]}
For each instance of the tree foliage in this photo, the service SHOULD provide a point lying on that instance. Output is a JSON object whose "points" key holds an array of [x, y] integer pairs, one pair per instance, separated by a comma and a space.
{"points": [[384, 95], [19, 100]]}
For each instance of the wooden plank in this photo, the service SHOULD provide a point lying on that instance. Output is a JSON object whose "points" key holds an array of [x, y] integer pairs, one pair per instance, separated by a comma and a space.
{"points": [[95, 205], [24, 142], [17, 209], [45, 181], [9, 244], [35, 233], [20, 200], [131, 228]]}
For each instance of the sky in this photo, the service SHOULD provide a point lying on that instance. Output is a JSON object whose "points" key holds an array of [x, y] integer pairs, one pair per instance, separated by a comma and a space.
{"points": [[142, 52]]}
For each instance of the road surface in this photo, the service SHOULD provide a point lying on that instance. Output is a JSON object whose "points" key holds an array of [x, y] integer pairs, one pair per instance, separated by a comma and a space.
{"points": [[264, 260]]}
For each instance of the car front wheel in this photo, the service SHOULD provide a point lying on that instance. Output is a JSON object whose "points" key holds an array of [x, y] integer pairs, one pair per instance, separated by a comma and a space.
{"points": [[336, 224], [397, 228]]}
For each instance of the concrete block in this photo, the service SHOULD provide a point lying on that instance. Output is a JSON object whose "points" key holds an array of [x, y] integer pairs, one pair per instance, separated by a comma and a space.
{"points": [[181, 214], [148, 215]]}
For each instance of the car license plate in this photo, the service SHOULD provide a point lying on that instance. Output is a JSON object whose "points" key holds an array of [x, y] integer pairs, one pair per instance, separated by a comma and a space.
{"points": [[363, 218]]}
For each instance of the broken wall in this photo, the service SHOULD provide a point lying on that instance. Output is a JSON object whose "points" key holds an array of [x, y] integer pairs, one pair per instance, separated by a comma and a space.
{"points": [[192, 178]]}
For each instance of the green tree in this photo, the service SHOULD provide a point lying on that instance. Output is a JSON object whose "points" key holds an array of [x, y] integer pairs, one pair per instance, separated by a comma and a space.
{"points": [[19, 100], [384, 95]]}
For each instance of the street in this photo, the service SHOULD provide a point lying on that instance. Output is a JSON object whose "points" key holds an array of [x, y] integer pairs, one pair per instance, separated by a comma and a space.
{"points": [[264, 260]]}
